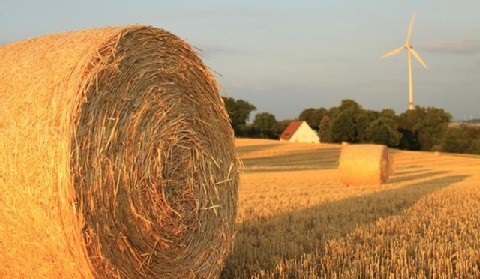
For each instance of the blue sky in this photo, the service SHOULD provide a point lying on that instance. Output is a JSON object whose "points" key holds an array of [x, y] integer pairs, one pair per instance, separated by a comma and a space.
{"points": [[285, 56]]}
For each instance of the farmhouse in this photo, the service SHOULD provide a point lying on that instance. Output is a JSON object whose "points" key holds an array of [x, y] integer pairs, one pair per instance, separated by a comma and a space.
{"points": [[299, 131]]}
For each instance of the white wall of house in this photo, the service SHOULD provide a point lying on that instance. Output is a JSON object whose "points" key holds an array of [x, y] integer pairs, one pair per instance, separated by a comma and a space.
{"points": [[305, 134]]}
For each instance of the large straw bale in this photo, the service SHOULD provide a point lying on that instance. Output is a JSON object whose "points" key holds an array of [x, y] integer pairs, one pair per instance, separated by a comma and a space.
{"points": [[365, 164], [117, 158]]}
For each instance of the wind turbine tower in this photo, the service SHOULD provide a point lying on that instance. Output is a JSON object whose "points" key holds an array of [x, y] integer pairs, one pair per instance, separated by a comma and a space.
{"points": [[408, 46]]}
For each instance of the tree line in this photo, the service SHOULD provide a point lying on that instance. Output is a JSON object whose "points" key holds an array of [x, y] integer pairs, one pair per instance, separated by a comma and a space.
{"points": [[423, 128]]}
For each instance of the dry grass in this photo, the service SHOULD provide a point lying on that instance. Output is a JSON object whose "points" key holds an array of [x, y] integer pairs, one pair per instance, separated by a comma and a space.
{"points": [[117, 158], [303, 223]]}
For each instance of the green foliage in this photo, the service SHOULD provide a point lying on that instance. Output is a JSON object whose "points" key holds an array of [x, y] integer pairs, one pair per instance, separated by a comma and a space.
{"points": [[389, 113], [343, 127], [313, 116], [363, 122], [239, 112], [350, 105], [343, 121], [324, 129], [409, 140], [423, 128], [350, 122], [462, 139], [383, 130], [265, 125]]}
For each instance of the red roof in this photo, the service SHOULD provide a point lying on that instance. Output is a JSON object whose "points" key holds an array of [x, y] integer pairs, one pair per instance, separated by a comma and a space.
{"points": [[290, 130]]}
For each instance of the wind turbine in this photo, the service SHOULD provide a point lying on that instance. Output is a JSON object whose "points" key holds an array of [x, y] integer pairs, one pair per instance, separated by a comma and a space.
{"points": [[407, 46]]}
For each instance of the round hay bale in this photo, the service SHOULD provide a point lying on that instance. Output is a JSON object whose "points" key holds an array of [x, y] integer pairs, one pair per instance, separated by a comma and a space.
{"points": [[365, 164], [117, 158]]}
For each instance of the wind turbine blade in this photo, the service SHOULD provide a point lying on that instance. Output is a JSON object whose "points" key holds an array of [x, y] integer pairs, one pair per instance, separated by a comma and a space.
{"points": [[419, 59], [410, 30], [393, 52]]}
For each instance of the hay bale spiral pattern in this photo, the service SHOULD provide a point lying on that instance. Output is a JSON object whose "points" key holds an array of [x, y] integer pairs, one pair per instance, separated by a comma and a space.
{"points": [[118, 158]]}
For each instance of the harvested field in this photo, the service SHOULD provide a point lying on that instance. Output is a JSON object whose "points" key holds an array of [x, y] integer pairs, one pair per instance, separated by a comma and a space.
{"points": [[299, 222]]}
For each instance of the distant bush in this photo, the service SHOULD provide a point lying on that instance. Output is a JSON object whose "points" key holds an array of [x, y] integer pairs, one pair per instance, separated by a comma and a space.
{"points": [[462, 139], [423, 127]]}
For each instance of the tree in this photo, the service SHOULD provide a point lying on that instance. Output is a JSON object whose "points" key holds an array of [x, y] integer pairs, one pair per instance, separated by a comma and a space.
{"points": [[313, 116], [343, 127], [409, 140], [349, 121], [462, 139], [350, 105], [239, 112], [423, 128], [362, 122], [389, 113], [383, 130], [433, 127], [324, 129], [265, 125]]}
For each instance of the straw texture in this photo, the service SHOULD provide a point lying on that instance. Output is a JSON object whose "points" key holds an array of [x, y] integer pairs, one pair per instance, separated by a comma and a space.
{"points": [[117, 158], [364, 164]]}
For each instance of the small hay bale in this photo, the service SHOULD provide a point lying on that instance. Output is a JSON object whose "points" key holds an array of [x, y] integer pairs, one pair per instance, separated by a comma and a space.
{"points": [[117, 158], [365, 164]]}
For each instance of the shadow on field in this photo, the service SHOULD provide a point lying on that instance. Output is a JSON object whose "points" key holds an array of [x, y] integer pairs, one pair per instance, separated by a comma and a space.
{"points": [[260, 243], [416, 176], [408, 171], [326, 158]]}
